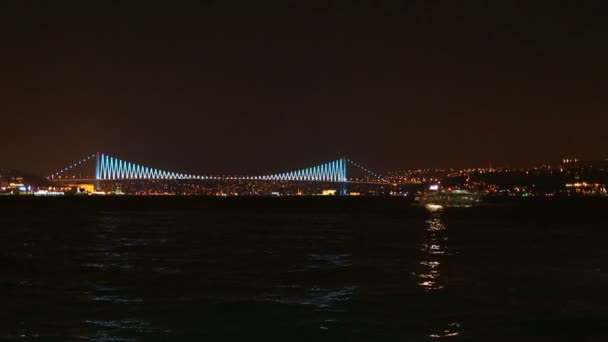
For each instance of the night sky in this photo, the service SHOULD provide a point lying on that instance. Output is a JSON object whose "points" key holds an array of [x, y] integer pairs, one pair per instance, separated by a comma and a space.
{"points": [[261, 86]]}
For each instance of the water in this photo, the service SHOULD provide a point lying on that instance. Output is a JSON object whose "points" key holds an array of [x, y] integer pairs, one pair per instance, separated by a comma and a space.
{"points": [[171, 269]]}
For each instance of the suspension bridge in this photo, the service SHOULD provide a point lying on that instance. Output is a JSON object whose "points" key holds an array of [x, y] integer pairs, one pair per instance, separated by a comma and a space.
{"points": [[103, 167]]}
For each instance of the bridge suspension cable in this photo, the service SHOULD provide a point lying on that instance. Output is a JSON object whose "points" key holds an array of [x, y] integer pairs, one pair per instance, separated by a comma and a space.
{"points": [[72, 166], [334, 171], [375, 175]]}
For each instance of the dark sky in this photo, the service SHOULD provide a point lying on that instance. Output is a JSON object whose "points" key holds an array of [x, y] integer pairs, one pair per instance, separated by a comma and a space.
{"points": [[259, 86]]}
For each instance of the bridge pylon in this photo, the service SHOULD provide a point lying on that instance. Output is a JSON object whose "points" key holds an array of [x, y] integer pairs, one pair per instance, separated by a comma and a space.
{"points": [[342, 188]]}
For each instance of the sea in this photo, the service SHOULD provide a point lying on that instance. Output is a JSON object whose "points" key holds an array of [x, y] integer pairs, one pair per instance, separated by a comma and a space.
{"points": [[301, 269]]}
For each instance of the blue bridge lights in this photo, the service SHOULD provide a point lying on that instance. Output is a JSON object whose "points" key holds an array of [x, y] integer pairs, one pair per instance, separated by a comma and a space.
{"points": [[111, 168]]}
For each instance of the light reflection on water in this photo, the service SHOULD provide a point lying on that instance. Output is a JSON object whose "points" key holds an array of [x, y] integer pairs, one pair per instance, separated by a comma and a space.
{"points": [[107, 330], [322, 298], [435, 253], [433, 249], [452, 330], [111, 255], [328, 300]]}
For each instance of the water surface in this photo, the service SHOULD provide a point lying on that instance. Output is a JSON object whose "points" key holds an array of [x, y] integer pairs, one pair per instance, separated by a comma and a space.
{"points": [[192, 269]]}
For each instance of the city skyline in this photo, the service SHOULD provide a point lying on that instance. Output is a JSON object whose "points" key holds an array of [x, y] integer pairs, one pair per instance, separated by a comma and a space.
{"points": [[247, 173], [103, 166], [102, 174]]}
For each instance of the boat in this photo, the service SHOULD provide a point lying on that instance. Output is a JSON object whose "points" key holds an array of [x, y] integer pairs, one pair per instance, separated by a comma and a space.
{"points": [[435, 200]]}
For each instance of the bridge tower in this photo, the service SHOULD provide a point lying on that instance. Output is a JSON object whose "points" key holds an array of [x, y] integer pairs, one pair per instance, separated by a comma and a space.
{"points": [[342, 190]]}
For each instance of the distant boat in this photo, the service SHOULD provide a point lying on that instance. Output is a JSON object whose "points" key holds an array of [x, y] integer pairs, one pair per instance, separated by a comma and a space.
{"points": [[436, 200]]}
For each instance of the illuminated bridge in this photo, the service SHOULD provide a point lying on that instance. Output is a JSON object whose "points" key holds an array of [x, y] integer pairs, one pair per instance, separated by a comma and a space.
{"points": [[102, 167]]}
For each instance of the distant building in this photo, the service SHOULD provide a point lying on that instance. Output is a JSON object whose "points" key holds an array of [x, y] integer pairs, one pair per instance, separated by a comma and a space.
{"points": [[82, 188], [600, 165], [586, 188], [569, 160]]}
